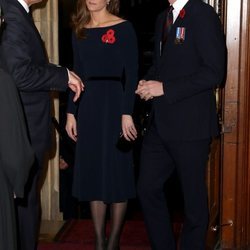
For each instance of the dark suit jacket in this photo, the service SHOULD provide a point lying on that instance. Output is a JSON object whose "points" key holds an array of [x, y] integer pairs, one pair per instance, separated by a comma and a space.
{"points": [[24, 57], [16, 155], [190, 71], [3, 3]]}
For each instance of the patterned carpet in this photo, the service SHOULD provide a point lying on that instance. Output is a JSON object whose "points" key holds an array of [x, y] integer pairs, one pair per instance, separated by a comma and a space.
{"points": [[78, 235]]}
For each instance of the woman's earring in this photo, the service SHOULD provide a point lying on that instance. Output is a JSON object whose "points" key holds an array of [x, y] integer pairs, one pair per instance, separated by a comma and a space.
{"points": [[108, 2]]}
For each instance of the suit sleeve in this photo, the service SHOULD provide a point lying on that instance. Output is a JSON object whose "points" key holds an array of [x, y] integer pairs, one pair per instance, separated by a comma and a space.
{"points": [[152, 73], [29, 76], [72, 106], [130, 58], [210, 47]]}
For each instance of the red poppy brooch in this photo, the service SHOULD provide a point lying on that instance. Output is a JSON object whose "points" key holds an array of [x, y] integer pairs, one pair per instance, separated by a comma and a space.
{"points": [[182, 13], [109, 37]]}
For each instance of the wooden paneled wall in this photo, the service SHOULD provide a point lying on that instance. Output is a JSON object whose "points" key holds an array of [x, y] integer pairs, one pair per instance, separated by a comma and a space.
{"points": [[235, 186]]}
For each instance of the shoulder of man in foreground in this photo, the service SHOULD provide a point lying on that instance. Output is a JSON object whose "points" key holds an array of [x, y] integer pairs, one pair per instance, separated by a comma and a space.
{"points": [[25, 58]]}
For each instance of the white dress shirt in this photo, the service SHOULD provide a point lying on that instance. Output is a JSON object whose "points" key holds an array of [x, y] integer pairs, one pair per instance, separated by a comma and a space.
{"points": [[25, 5], [178, 6]]}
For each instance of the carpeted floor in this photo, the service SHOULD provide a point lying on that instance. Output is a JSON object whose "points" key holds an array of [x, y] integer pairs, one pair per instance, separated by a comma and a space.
{"points": [[78, 235], [75, 246]]}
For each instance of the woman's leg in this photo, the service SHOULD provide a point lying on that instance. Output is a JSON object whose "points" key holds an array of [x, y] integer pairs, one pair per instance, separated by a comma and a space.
{"points": [[118, 211], [98, 211]]}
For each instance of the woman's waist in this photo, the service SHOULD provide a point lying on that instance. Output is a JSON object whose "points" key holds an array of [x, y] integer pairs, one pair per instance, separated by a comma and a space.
{"points": [[103, 78]]}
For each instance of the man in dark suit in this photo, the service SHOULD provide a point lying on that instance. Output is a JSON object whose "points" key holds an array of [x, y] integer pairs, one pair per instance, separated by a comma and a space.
{"points": [[24, 57], [189, 63], [16, 155]]}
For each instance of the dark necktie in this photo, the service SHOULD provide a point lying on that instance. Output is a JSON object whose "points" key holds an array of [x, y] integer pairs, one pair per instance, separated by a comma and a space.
{"points": [[167, 24]]}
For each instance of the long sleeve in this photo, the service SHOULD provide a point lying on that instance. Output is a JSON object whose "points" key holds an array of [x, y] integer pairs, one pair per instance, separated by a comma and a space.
{"points": [[130, 57], [152, 73], [72, 106]]}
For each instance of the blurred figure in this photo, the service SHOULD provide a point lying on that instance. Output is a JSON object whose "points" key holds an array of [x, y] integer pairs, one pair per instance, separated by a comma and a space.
{"points": [[23, 55], [105, 56], [189, 63], [16, 158]]}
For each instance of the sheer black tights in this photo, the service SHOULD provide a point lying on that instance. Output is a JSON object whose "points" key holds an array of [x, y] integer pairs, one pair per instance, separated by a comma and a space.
{"points": [[117, 212], [98, 211]]}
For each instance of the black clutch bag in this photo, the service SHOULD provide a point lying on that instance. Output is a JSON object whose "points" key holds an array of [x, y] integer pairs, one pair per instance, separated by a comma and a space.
{"points": [[124, 145]]}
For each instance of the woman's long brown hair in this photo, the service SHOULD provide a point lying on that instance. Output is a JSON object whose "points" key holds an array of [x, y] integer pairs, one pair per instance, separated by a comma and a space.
{"points": [[82, 15]]}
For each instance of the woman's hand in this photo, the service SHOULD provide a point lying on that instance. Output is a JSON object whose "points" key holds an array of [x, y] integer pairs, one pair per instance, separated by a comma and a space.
{"points": [[71, 126], [128, 128]]}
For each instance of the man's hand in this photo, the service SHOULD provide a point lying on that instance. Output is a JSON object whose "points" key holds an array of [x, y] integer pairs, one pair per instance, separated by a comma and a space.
{"points": [[71, 126], [149, 89], [75, 84]]}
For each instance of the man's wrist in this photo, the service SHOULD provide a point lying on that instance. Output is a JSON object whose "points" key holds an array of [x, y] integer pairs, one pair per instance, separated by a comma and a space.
{"points": [[68, 75], [163, 88]]}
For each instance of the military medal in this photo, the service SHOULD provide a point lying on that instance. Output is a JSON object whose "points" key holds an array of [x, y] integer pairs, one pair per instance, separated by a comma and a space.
{"points": [[180, 35]]}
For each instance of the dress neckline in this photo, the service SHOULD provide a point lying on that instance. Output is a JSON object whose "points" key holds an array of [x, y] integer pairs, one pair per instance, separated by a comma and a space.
{"points": [[106, 27]]}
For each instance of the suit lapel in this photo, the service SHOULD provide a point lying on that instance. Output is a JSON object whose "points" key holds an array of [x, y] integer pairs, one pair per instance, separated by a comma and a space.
{"points": [[160, 32]]}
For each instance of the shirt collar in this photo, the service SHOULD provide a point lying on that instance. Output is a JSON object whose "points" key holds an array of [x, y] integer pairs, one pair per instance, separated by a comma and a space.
{"points": [[25, 5], [179, 4]]}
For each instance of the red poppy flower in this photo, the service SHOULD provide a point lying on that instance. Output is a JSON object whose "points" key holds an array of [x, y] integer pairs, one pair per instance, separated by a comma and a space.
{"points": [[109, 37], [182, 13]]}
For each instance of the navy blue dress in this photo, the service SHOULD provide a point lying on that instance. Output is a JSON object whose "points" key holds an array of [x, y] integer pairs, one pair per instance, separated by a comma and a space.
{"points": [[106, 60]]}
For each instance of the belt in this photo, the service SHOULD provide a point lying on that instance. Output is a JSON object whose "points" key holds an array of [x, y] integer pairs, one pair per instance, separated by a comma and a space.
{"points": [[103, 78]]}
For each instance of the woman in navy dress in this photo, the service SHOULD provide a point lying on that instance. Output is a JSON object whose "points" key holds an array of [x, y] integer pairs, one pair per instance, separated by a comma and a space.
{"points": [[105, 57]]}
